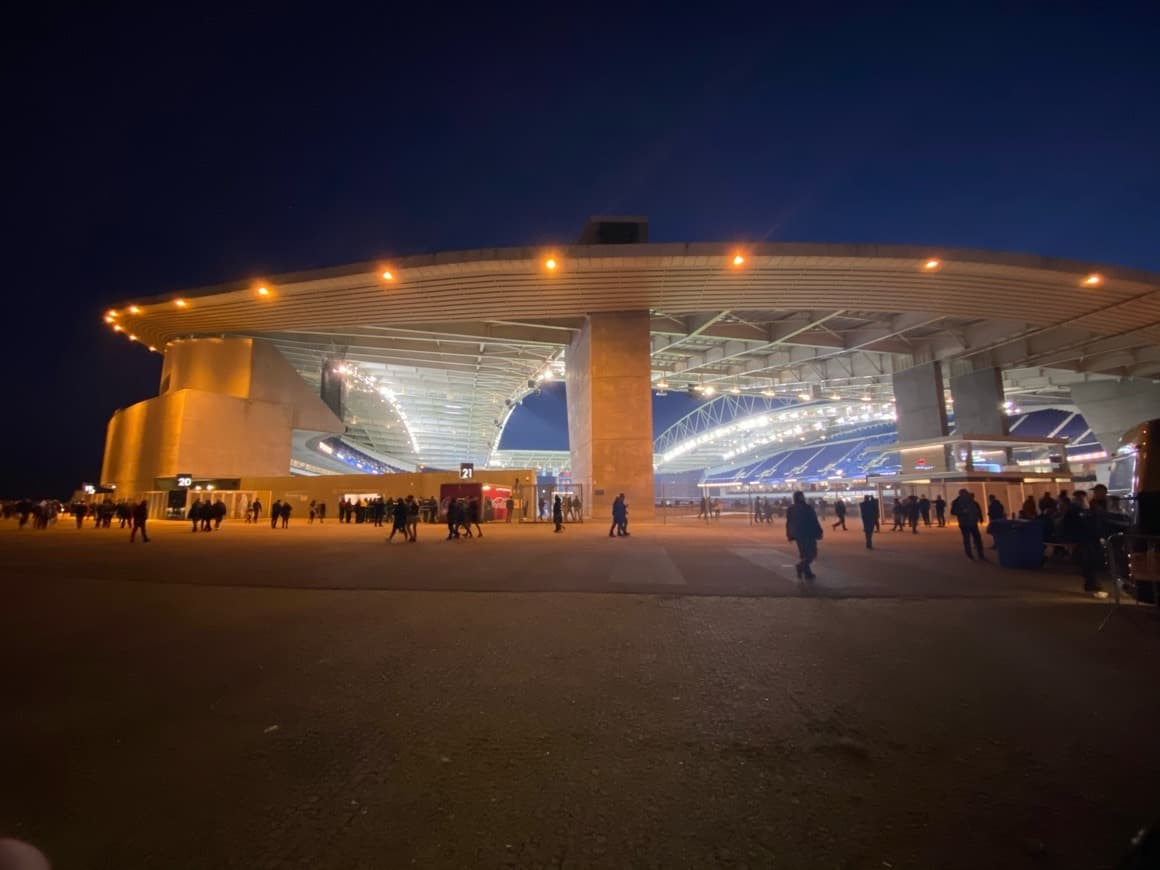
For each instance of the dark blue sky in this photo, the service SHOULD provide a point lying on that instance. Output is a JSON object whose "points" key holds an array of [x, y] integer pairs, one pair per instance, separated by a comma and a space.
{"points": [[181, 147]]}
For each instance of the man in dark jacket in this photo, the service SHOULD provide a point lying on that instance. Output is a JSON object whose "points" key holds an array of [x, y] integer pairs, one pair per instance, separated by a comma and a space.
{"points": [[840, 513], [619, 518], [275, 513], [969, 515], [869, 511], [940, 511], [802, 527], [139, 515], [398, 520], [924, 510]]}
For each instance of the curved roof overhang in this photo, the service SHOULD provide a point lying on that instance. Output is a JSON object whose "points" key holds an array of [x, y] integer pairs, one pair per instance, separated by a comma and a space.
{"points": [[471, 328]]}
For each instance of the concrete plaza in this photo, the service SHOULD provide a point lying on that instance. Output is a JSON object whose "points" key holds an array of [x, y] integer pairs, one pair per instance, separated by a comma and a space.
{"points": [[316, 698]]}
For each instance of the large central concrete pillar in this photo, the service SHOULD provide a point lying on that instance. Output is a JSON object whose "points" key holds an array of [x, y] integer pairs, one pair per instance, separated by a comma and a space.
{"points": [[610, 413], [922, 415]]}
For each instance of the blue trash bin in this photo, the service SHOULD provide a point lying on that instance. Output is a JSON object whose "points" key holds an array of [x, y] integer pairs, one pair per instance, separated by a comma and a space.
{"points": [[1019, 543]]}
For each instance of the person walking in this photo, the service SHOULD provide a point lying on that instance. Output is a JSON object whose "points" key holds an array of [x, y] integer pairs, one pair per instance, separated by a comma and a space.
{"points": [[840, 513], [473, 518], [995, 511], [912, 513], [869, 512], [510, 506], [398, 520], [969, 514], [286, 509], [802, 527], [924, 510], [275, 513], [899, 512], [140, 513], [412, 519], [558, 514], [257, 509], [619, 518], [940, 511]]}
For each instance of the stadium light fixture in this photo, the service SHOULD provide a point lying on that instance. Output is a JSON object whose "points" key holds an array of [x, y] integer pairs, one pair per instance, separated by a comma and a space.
{"points": [[738, 260], [112, 312], [932, 265], [110, 319], [388, 275], [1093, 280], [551, 264], [133, 309], [132, 337], [263, 291], [735, 391], [118, 327], [153, 348], [180, 303], [708, 389]]}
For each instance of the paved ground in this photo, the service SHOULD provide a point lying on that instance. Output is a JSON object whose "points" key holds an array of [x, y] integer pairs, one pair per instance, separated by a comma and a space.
{"points": [[316, 698]]}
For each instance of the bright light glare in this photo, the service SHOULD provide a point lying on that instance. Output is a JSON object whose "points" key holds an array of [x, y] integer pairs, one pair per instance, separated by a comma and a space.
{"points": [[118, 327], [181, 303], [709, 390], [132, 338], [263, 291], [550, 264], [738, 260], [388, 275], [133, 309], [932, 264], [1093, 280]]}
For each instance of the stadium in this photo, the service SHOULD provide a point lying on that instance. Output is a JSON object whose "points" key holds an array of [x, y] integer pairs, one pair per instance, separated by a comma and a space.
{"points": [[669, 368]]}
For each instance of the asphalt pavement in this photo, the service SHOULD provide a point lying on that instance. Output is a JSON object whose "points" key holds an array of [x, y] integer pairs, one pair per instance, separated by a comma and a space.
{"points": [[316, 697]]}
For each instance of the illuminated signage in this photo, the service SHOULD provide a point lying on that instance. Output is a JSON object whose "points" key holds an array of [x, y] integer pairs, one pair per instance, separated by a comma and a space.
{"points": [[466, 470], [184, 481]]}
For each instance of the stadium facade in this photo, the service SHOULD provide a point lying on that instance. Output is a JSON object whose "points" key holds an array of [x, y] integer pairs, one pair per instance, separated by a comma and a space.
{"points": [[417, 363]]}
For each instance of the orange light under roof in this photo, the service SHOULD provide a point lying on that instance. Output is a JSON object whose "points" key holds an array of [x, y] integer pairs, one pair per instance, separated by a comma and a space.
{"points": [[118, 327], [388, 275], [110, 319], [550, 264], [1093, 280], [132, 337], [738, 260], [133, 309], [152, 348], [933, 264], [263, 291], [180, 303]]}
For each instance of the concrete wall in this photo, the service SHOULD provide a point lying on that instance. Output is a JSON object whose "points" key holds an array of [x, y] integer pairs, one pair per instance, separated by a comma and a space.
{"points": [[1111, 408], [229, 408], [610, 412], [978, 399], [921, 408]]}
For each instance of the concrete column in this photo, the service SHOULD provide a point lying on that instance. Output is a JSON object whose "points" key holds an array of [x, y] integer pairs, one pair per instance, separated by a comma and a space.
{"points": [[922, 414], [1111, 408], [610, 413], [979, 399]]}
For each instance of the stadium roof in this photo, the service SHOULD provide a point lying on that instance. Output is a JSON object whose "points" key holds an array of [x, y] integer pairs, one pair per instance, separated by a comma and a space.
{"points": [[455, 337]]}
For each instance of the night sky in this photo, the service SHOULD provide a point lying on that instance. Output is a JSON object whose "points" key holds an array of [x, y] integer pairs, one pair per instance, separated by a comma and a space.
{"points": [[151, 153]]}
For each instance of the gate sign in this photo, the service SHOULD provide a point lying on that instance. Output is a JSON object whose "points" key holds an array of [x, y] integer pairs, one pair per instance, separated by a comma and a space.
{"points": [[466, 470], [184, 481]]}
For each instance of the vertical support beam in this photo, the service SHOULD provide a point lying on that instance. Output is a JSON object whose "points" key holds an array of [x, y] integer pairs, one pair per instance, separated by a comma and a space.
{"points": [[979, 399], [922, 413], [332, 388], [610, 432]]}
